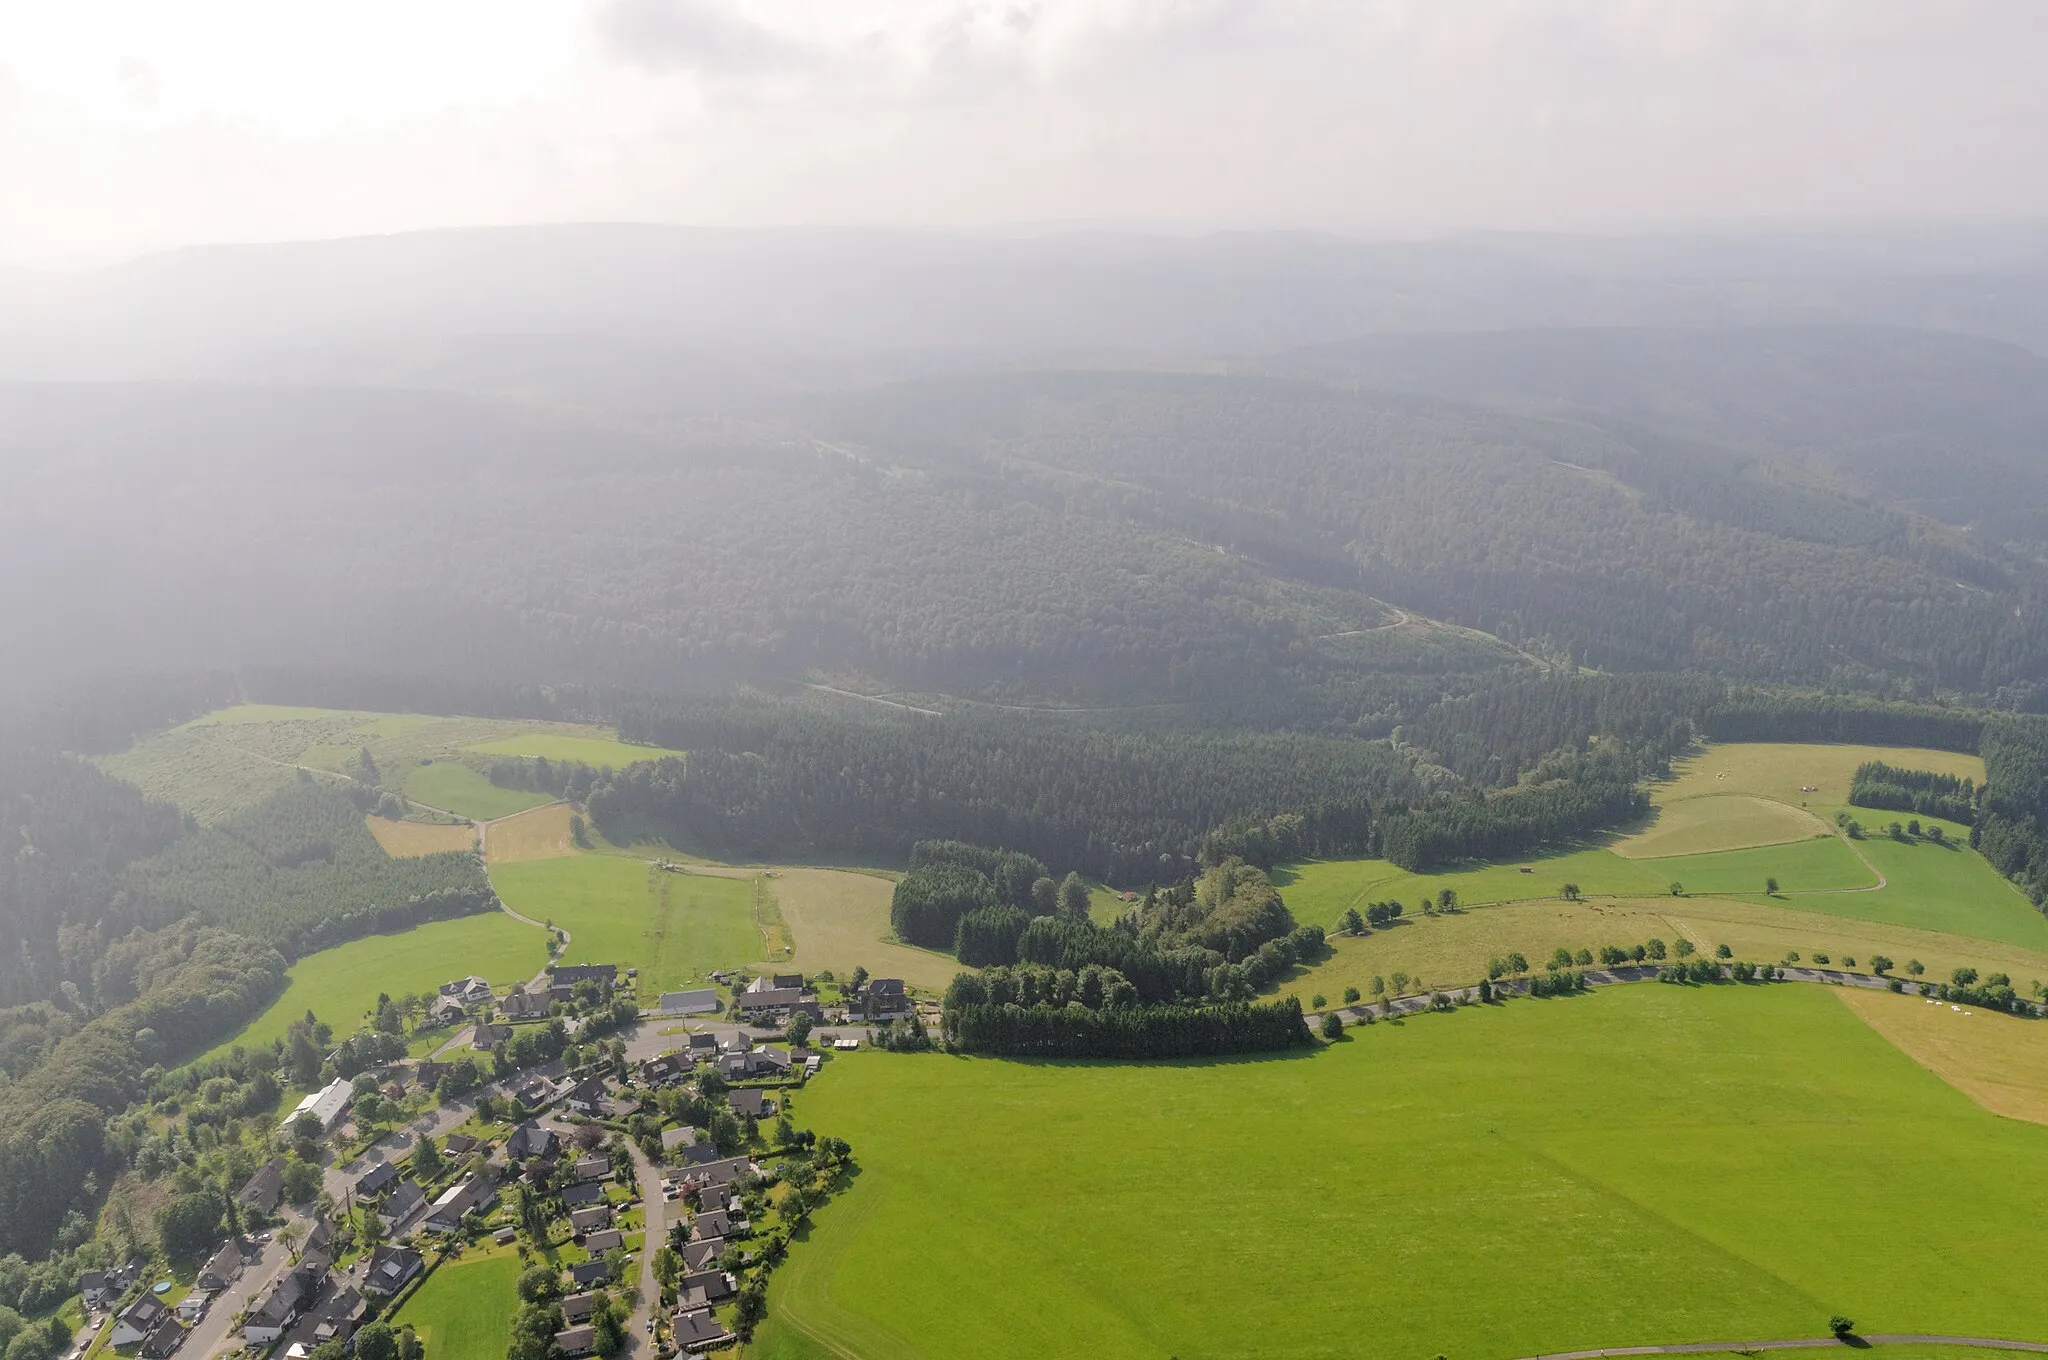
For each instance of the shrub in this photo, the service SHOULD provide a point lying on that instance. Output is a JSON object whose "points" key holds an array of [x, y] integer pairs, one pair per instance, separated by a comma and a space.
{"points": [[1333, 1026]]}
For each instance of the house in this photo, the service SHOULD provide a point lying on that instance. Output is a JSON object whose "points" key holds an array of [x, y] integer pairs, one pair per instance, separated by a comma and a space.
{"points": [[590, 1220], [372, 1182], [666, 1070], [469, 991], [340, 1316], [750, 1103], [574, 1341], [263, 1190], [777, 982], [704, 1290], [699, 1001], [446, 1011], [327, 1105], [457, 1200], [770, 1062], [163, 1340], [535, 1093], [96, 1290], [686, 1147], [390, 1268], [523, 1005], [724, 1172], [702, 1046], [703, 1255], [460, 1144], [698, 1330], [192, 1307], [427, 1075], [222, 1268], [579, 1307], [569, 974], [711, 1223], [587, 1096], [756, 1006], [884, 999], [286, 1300], [610, 1239], [530, 1140], [138, 1320], [405, 1200], [319, 1238], [488, 1037], [592, 1168], [585, 1274], [583, 1196]]}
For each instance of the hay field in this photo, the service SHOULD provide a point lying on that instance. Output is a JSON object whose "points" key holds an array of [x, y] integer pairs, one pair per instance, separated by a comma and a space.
{"points": [[413, 840], [839, 920], [1999, 1061]]}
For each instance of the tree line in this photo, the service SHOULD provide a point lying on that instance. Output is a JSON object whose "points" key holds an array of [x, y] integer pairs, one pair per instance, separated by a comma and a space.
{"points": [[1144, 1032], [1878, 785]]}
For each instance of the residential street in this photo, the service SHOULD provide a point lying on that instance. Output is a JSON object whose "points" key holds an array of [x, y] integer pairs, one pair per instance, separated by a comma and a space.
{"points": [[216, 1333]]}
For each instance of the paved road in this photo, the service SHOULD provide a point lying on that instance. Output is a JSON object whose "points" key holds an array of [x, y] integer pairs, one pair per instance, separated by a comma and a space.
{"points": [[649, 1177], [215, 1333], [1801, 1344]]}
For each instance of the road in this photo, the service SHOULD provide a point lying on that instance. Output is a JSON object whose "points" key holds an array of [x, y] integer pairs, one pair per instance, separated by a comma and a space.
{"points": [[215, 1333], [1802, 1344], [649, 1177]]}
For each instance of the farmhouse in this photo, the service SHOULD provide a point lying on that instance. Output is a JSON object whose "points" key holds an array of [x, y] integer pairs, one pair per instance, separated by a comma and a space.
{"points": [[389, 1269], [523, 1005], [327, 1105], [222, 1268], [264, 1189], [138, 1320], [698, 1330], [569, 974], [610, 1239], [701, 1001], [776, 1001]]}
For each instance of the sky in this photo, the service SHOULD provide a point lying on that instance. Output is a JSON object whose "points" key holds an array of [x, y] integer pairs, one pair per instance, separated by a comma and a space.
{"points": [[134, 125]]}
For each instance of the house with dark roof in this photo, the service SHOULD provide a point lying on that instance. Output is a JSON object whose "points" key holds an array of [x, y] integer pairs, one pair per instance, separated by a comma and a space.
{"points": [[531, 1140], [711, 1223], [590, 1220], [666, 1070], [138, 1320], [607, 1239], [163, 1340], [703, 1255], [584, 1195], [687, 1147], [592, 1168], [286, 1301], [264, 1189], [372, 1182], [701, 1046], [722, 1172], [586, 1274], [446, 1011], [698, 1330], [706, 1289], [222, 1268], [488, 1037], [579, 1307], [750, 1102], [390, 1268], [587, 1096], [460, 1144], [522, 1005], [338, 1318], [884, 999], [404, 1200], [776, 1002], [96, 1290], [458, 1200], [574, 1341], [569, 974]]}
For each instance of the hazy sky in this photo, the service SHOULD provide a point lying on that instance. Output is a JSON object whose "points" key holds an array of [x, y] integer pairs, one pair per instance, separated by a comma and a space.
{"points": [[133, 124]]}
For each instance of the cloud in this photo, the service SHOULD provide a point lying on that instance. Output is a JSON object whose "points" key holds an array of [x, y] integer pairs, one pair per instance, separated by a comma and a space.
{"points": [[702, 36]]}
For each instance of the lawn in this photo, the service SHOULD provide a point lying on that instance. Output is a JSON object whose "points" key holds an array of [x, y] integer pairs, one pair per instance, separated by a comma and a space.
{"points": [[464, 1310], [604, 752], [340, 985], [1643, 1165], [675, 928], [466, 793]]}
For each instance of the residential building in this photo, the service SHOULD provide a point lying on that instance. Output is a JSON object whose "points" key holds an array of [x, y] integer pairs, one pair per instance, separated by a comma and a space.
{"points": [[569, 974], [530, 1140], [192, 1307], [523, 1005], [138, 1320], [471, 1193], [446, 1010], [609, 1239], [699, 1001], [96, 1290], [703, 1255], [264, 1189], [711, 1223], [404, 1200], [750, 1103], [574, 1341], [286, 1301], [704, 1290], [592, 1168], [587, 1096], [390, 1268], [460, 1144], [163, 1340], [340, 1316], [577, 1308], [488, 1037], [666, 1070], [776, 1001], [584, 1195], [589, 1220], [222, 1268], [698, 1330], [884, 999], [372, 1182], [327, 1105], [588, 1274]]}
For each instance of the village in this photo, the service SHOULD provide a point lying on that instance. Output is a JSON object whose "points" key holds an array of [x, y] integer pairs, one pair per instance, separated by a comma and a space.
{"points": [[641, 1163]]}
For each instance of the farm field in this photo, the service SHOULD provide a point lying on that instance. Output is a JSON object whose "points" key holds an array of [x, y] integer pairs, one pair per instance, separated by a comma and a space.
{"points": [[675, 928], [1499, 1182], [340, 985], [230, 760], [1720, 821], [1453, 950], [465, 792], [1999, 1061], [410, 840], [464, 1310], [1781, 771], [839, 920], [542, 833]]}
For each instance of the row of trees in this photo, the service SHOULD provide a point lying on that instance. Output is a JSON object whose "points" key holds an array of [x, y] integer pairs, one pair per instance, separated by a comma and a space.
{"points": [[1151, 1032], [1878, 785]]}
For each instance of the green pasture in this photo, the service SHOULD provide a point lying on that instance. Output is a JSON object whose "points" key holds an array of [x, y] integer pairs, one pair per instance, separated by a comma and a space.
{"points": [[341, 985], [464, 1310], [675, 928], [599, 751], [466, 793], [1643, 1165]]}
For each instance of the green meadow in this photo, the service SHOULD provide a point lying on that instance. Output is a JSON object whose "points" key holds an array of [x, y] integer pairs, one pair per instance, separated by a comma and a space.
{"points": [[466, 793], [340, 985], [675, 928], [603, 752], [1643, 1165], [464, 1310]]}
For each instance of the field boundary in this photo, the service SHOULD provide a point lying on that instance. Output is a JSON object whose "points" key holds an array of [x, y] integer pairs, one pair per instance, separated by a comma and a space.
{"points": [[1802, 1343]]}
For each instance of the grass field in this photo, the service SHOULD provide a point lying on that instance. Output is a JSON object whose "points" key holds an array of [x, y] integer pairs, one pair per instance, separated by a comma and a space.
{"points": [[1999, 1061], [341, 984], [604, 752], [1644, 1165], [408, 840], [675, 928], [465, 792], [1728, 821], [1453, 950], [230, 760], [542, 833], [840, 920], [1782, 771], [464, 1310]]}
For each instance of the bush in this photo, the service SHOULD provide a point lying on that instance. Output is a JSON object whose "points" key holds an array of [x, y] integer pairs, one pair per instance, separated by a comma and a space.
{"points": [[1333, 1027]]}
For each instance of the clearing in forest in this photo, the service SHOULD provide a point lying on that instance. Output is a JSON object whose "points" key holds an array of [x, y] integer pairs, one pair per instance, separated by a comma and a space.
{"points": [[1521, 1179]]}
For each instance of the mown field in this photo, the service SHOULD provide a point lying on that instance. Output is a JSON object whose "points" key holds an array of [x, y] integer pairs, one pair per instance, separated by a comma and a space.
{"points": [[839, 920], [230, 760], [340, 985], [1643, 1165], [464, 1310], [675, 928], [408, 840], [1999, 1061]]}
